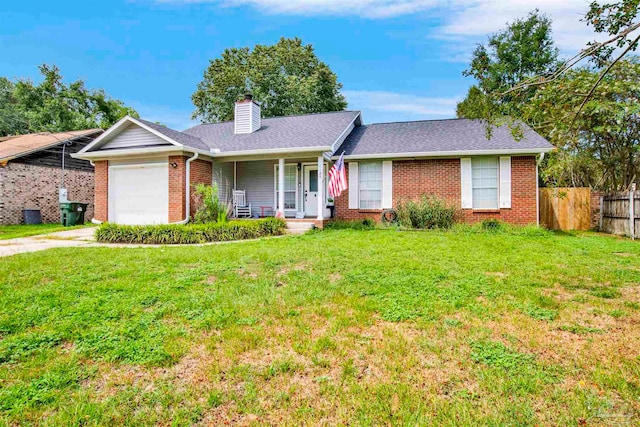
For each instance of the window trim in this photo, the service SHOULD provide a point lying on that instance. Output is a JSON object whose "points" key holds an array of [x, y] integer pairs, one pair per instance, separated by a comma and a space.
{"points": [[497, 187], [275, 186], [369, 209]]}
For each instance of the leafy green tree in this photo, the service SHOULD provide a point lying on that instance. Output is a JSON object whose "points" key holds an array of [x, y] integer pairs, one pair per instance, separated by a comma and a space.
{"points": [[525, 48], [618, 20], [600, 147], [55, 106], [287, 78], [13, 119]]}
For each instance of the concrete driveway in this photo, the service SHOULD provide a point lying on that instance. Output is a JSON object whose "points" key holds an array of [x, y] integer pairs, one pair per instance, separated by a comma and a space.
{"points": [[61, 239]]}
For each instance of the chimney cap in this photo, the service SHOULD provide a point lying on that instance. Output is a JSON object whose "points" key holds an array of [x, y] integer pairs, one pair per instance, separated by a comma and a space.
{"points": [[248, 96]]}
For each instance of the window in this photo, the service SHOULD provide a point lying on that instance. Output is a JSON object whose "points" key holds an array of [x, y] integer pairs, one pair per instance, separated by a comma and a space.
{"points": [[484, 178], [290, 186], [370, 185]]}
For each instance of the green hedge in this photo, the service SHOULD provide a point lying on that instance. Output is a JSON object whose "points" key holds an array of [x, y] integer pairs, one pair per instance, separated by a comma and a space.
{"points": [[175, 234]]}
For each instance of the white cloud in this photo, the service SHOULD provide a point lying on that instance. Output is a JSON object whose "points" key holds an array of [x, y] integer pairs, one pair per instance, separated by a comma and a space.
{"points": [[408, 105], [462, 22]]}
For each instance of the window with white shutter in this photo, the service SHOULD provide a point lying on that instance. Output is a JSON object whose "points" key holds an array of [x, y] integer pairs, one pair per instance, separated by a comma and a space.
{"points": [[370, 185], [485, 184]]}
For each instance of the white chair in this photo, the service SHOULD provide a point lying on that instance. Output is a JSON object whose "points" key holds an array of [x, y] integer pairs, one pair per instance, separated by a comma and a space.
{"points": [[240, 206]]}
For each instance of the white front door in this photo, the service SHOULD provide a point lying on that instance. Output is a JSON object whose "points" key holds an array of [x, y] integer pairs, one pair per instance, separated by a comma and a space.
{"points": [[311, 190]]}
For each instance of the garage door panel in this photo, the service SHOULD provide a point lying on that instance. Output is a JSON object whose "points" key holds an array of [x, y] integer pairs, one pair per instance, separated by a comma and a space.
{"points": [[139, 194]]}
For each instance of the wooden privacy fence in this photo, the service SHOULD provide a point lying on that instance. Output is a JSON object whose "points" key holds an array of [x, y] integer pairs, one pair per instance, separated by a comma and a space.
{"points": [[565, 208], [620, 213]]}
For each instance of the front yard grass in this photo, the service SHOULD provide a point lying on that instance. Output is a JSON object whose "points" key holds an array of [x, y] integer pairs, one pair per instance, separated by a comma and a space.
{"points": [[336, 327], [16, 231]]}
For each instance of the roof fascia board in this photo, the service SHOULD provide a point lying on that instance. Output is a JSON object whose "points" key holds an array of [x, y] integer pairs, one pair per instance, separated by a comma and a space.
{"points": [[342, 136], [461, 153], [97, 155]]}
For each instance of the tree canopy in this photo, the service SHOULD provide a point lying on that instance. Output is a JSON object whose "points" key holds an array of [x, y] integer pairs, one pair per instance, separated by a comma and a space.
{"points": [[600, 147], [54, 106], [523, 49], [286, 78]]}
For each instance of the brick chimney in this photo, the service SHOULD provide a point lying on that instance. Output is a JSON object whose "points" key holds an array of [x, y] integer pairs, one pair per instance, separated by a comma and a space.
{"points": [[246, 115]]}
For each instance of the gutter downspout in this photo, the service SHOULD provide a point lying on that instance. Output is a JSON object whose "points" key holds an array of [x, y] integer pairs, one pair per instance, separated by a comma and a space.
{"points": [[187, 189], [538, 190]]}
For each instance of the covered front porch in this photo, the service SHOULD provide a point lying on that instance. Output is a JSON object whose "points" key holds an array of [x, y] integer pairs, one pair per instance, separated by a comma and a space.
{"points": [[294, 188]]}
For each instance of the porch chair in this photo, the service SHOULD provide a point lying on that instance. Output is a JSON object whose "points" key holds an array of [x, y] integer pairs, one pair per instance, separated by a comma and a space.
{"points": [[240, 206]]}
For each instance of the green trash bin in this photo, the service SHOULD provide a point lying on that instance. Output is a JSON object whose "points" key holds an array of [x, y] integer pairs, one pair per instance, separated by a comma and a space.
{"points": [[72, 213]]}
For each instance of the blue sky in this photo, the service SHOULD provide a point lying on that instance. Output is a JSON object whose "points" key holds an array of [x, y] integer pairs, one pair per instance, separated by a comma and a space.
{"points": [[397, 59]]}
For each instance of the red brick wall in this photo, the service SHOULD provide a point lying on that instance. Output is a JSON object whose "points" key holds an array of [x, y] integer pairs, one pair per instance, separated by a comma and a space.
{"points": [[200, 173], [24, 186], [177, 176], [441, 177], [101, 199]]}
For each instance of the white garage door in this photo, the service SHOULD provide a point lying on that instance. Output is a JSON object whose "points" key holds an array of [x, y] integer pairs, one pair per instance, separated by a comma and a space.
{"points": [[139, 193]]}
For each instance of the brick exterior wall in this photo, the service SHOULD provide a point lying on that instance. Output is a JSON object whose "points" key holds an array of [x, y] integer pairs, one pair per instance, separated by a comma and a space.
{"points": [[201, 172], [24, 186], [441, 177], [177, 176], [101, 201]]}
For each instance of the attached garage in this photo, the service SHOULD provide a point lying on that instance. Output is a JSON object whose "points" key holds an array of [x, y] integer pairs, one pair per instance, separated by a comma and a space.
{"points": [[139, 193]]}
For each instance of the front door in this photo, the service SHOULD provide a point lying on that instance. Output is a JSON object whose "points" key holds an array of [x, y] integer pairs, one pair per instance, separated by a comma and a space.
{"points": [[311, 191]]}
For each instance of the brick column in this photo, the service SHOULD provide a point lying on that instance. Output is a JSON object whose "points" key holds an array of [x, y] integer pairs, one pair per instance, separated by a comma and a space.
{"points": [[101, 197], [177, 176], [201, 172]]}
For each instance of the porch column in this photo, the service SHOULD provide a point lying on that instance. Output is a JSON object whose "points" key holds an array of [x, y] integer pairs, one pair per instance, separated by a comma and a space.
{"points": [[280, 188], [321, 198]]}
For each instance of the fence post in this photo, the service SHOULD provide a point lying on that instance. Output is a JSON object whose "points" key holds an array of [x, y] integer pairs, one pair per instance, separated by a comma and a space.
{"points": [[632, 214], [601, 213]]}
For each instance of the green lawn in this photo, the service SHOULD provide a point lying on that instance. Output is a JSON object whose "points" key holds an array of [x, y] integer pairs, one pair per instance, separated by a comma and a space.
{"points": [[335, 328], [15, 231]]}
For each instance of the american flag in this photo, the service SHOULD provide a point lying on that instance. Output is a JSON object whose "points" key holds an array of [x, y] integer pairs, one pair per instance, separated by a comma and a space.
{"points": [[337, 178]]}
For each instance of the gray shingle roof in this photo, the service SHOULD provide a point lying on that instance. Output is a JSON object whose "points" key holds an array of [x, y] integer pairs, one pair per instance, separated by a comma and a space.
{"points": [[181, 137], [303, 131], [436, 136]]}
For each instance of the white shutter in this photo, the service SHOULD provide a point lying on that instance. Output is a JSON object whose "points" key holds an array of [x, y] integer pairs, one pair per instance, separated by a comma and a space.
{"points": [[505, 182], [354, 192], [465, 183], [387, 184]]}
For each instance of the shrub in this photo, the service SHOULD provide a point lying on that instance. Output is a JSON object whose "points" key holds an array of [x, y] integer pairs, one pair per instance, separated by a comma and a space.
{"points": [[427, 212], [365, 224], [209, 206], [173, 234], [492, 225]]}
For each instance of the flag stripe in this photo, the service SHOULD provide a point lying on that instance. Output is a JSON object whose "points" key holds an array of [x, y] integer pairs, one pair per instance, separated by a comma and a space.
{"points": [[338, 178]]}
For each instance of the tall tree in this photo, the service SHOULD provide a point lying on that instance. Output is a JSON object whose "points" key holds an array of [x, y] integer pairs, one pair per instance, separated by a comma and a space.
{"points": [[619, 21], [54, 106], [287, 78], [523, 49], [600, 147]]}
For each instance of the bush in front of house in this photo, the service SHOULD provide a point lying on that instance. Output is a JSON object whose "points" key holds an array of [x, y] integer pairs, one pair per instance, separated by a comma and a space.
{"points": [[180, 234], [209, 207], [427, 212]]}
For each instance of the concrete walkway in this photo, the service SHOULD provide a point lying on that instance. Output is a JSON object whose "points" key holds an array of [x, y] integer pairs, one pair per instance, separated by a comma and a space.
{"points": [[61, 239]]}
